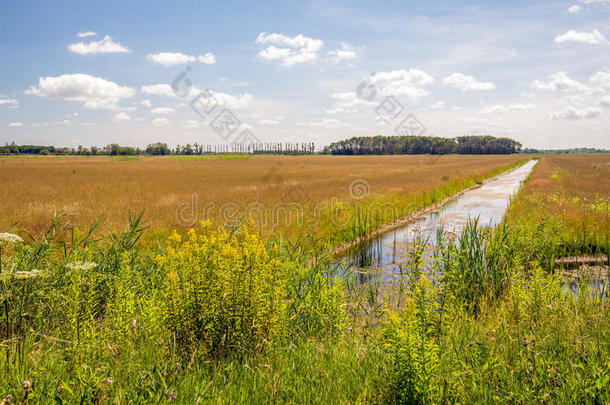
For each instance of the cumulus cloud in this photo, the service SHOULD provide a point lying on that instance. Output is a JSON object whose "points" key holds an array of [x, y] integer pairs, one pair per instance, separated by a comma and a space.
{"points": [[106, 45], [600, 79], [208, 58], [502, 109], [399, 83], [177, 58], [575, 9], [559, 81], [15, 124], [403, 83], [289, 50], [571, 113], [162, 110], [222, 99], [170, 58], [121, 117], [347, 102], [465, 82], [346, 52], [8, 101], [229, 101], [160, 122], [95, 92], [146, 103], [594, 37], [159, 90], [86, 34]]}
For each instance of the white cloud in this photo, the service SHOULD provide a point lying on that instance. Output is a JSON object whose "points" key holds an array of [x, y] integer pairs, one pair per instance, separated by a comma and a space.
{"points": [[594, 37], [348, 102], [159, 90], [177, 58], [439, 104], [346, 52], [86, 34], [159, 122], [15, 124], [53, 124], [575, 9], [224, 99], [146, 103], [121, 117], [502, 109], [294, 50], [192, 124], [10, 101], [604, 101], [330, 123], [464, 82], [233, 102], [268, 122], [600, 79], [403, 83], [571, 113], [208, 58], [106, 45], [559, 81], [162, 110], [95, 92], [170, 58]]}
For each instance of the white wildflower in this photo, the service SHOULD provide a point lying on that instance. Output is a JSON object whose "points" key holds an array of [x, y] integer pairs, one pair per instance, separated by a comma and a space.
{"points": [[22, 275], [81, 265], [28, 274], [9, 238]]}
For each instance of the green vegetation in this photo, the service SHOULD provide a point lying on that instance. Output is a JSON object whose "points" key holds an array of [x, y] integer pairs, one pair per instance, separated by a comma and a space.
{"points": [[227, 316], [211, 157], [415, 145]]}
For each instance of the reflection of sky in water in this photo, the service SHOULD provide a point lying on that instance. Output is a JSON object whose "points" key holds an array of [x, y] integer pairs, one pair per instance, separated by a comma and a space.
{"points": [[488, 202]]}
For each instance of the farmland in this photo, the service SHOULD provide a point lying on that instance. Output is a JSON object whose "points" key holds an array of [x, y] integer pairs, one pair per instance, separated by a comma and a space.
{"points": [[241, 314], [86, 188]]}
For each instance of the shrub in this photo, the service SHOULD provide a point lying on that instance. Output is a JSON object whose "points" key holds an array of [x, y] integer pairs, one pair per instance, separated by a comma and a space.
{"points": [[225, 292]]}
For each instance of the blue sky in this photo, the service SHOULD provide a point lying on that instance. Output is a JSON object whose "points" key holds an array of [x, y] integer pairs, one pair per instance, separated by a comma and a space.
{"points": [[75, 73]]}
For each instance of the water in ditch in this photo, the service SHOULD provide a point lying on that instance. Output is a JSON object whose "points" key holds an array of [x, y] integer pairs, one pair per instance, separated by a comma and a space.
{"points": [[385, 254]]}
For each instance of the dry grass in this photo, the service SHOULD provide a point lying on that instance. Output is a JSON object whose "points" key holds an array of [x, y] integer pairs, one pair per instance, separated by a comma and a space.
{"points": [[573, 192], [34, 187]]}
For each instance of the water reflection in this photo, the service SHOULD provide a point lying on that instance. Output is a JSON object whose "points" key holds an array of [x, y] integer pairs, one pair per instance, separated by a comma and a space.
{"points": [[384, 255]]}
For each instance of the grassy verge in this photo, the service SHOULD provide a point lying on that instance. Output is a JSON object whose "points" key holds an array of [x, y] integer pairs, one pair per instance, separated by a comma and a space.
{"points": [[227, 317], [564, 207]]}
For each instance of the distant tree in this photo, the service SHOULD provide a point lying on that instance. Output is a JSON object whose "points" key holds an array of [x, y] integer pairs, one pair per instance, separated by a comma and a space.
{"points": [[158, 148], [411, 145]]}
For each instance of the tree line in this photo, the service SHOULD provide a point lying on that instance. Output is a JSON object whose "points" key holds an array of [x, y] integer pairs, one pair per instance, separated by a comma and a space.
{"points": [[416, 145], [159, 149]]}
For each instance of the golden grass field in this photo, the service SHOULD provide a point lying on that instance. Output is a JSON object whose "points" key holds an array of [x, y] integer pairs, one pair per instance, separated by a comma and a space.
{"points": [[86, 187], [572, 190]]}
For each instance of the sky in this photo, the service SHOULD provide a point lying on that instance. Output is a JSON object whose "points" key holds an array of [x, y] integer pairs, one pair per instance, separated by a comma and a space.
{"points": [[138, 72]]}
